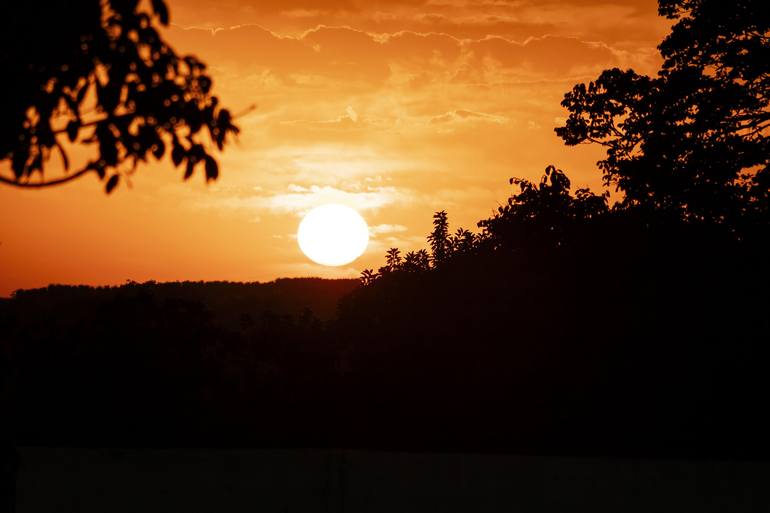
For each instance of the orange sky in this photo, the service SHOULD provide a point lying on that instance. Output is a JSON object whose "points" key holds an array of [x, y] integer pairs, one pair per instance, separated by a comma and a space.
{"points": [[395, 108]]}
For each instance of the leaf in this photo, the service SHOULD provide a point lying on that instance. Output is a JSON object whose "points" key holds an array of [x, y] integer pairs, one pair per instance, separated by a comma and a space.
{"points": [[72, 129], [64, 159], [100, 170], [112, 183], [108, 95], [159, 149], [82, 93], [108, 150], [204, 83], [45, 134], [37, 163], [19, 161], [224, 119], [189, 169], [159, 6], [177, 153], [212, 169]]}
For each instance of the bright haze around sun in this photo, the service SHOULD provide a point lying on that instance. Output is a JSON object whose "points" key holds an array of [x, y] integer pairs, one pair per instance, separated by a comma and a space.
{"points": [[395, 109]]}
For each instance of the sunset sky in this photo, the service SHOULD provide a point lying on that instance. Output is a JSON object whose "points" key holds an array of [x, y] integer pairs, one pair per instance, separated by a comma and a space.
{"points": [[397, 109]]}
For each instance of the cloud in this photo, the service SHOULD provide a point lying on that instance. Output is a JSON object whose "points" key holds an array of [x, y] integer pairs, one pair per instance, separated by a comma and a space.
{"points": [[339, 165], [379, 245], [299, 202], [341, 56], [352, 114], [544, 56], [382, 229], [624, 20], [462, 115], [298, 199], [349, 120], [302, 13]]}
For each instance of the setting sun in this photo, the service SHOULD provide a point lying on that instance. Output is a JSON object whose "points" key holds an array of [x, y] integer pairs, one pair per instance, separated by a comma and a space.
{"points": [[333, 235]]}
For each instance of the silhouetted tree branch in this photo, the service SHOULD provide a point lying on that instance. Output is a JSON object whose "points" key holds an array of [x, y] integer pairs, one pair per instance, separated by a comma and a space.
{"points": [[49, 183], [439, 238], [693, 141], [107, 57]]}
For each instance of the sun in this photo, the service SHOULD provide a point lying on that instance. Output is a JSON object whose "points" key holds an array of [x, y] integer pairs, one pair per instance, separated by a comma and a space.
{"points": [[333, 235]]}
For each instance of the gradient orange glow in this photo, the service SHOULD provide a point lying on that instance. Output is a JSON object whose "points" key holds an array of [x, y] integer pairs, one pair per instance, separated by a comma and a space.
{"points": [[396, 109]]}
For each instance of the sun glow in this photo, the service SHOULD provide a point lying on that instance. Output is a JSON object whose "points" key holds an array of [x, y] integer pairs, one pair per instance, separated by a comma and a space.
{"points": [[333, 235]]}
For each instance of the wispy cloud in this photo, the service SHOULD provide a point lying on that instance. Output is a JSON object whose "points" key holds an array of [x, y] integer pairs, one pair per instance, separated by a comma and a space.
{"points": [[463, 115], [298, 200], [382, 229]]}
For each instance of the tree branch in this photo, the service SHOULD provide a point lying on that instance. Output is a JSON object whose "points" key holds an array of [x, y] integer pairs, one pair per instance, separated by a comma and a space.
{"points": [[114, 117], [41, 185], [95, 122]]}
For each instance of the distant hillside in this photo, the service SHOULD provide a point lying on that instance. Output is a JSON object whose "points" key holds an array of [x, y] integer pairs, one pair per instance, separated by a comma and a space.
{"points": [[160, 361], [228, 302]]}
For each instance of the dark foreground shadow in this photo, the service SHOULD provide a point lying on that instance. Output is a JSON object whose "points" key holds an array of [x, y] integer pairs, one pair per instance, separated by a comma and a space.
{"points": [[233, 481]]}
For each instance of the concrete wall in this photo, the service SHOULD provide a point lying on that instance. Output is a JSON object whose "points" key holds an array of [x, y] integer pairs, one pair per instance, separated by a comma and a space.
{"points": [[308, 481]]}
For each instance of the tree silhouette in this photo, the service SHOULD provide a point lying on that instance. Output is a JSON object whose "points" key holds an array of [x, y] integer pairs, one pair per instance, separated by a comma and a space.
{"points": [[368, 277], [99, 74], [541, 214], [692, 141], [416, 261], [393, 259], [439, 238], [462, 242]]}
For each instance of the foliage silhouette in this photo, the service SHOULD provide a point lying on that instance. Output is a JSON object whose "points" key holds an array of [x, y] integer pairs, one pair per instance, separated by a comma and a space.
{"points": [[440, 245], [416, 261], [443, 246], [608, 328], [540, 214], [462, 242], [692, 141], [99, 74], [574, 327], [633, 344], [393, 259]]}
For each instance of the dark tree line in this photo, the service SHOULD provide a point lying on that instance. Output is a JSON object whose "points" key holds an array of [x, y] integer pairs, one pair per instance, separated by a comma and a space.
{"points": [[155, 364], [637, 324]]}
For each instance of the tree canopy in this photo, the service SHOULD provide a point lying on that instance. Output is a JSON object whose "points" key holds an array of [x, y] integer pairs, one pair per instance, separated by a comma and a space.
{"points": [[99, 74], [688, 149], [693, 140]]}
